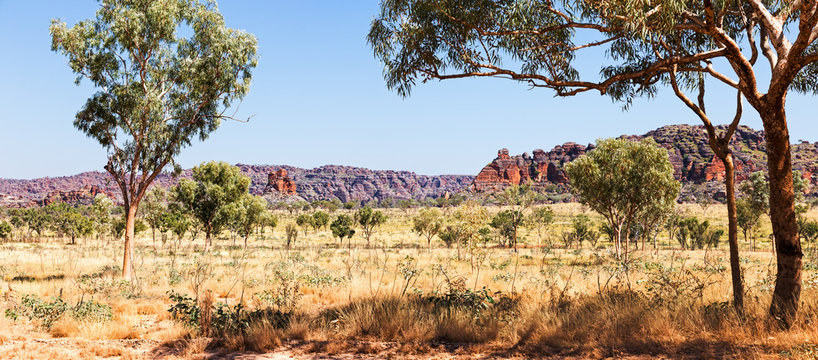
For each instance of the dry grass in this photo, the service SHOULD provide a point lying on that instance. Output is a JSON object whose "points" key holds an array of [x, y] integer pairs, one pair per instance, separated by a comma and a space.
{"points": [[564, 301]]}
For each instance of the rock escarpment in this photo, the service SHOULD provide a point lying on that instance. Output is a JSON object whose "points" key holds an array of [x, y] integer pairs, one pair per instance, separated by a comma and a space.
{"points": [[329, 182], [694, 163], [543, 167], [280, 182], [347, 183]]}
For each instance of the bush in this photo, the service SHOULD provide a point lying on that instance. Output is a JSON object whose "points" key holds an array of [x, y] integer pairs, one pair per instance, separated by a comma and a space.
{"points": [[694, 234], [5, 230], [219, 319], [48, 312], [451, 235]]}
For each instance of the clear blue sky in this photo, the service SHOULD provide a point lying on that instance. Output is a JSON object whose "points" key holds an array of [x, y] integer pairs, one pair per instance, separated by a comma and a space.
{"points": [[319, 98]]}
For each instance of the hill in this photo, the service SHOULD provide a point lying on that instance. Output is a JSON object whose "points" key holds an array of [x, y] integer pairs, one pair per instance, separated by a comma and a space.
{"points": [[345, 183], [695, 165]]}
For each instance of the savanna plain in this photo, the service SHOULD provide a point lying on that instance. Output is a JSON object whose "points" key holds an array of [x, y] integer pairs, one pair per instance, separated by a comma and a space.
{"points": [[398, 296]]}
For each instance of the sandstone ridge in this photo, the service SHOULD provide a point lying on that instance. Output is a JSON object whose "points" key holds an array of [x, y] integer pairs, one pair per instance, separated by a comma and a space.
{"points": [[694, 163]]}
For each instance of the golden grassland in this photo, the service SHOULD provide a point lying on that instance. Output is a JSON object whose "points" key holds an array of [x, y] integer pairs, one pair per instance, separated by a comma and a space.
{"points": [[399, 297]]}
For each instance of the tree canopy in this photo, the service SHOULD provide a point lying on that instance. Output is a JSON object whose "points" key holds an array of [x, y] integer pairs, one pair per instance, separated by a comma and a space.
{"points": [[215, 187], [621, 179], [157, 89]]}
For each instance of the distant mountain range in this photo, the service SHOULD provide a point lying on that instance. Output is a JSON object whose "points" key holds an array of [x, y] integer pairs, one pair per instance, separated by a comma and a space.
{"points": [[346, 183], [693, 162]]}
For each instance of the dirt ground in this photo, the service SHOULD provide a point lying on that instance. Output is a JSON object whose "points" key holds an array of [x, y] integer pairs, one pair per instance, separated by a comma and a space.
{"points": [[69, 348]]}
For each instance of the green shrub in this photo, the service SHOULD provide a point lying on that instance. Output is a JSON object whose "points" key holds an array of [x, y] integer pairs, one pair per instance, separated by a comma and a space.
{"points": [[48, 312]]}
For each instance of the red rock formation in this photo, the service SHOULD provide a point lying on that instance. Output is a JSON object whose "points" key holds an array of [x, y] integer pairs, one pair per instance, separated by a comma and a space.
{"points": [[544, 167], [279, 181], [714, 170], [83, 196]]}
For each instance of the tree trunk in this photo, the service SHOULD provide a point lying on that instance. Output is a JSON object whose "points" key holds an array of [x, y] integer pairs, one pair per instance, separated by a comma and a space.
{"points": [[618, 240], [643, 235], [127, 260], [732, 231], [627, 240], [208, 229], [787, 246]]}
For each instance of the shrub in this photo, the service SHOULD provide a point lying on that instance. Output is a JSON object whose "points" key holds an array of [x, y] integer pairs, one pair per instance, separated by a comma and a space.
{"points": [[48, 312], [219, 319]]}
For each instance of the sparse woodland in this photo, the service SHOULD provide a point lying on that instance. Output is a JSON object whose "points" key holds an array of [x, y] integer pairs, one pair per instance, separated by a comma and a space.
{"points": [[204, 268], [562, 291]]}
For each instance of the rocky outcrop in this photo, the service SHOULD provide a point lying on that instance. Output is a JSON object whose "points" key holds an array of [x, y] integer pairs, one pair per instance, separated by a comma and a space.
{"points": [[543, 167], [279, 181], [329, 182], [694, 163], [347, 183], [82, 196]]}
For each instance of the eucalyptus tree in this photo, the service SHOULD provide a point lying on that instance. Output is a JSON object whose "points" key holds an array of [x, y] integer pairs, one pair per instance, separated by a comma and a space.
{"points": [[166, 72], [320, 220], [427, 223], [646, 44], [518, 198], [67, 220], [621, 179], [101, 214], [747, 217], [540, 218], [369, 220], [155, 205], [305, 221], [341, 227], [215, 187], [246, 214]]}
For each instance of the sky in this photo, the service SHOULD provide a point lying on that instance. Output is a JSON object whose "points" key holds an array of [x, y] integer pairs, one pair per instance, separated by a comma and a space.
{"points": [[318, 97]]}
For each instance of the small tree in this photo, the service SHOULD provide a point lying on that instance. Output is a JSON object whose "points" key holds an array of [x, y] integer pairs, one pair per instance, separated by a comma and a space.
{"points": [[292, 234], [467, 220], [155, 205], [809, 232], [5, 230], [215, 185], [248, 212], [67, 220], [37, 221], [177, 222], [757, 192], [620, 179], [101, 214], [305, 221], [747, 218], [427, 223], [506, 223], [540, 219], [320, 220], [581, 230], [158, 90], [406, 205], [369, 220], [673, 225], [341, 228], [650, 219], [451, 235]]}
